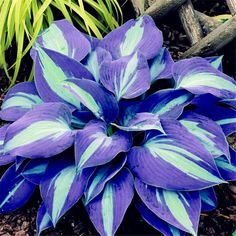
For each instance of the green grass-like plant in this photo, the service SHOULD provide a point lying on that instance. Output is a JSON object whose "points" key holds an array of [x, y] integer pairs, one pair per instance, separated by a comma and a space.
{"points": [[22, 20]]}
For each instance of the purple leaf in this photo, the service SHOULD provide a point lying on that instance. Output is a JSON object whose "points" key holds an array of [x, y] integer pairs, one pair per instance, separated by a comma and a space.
{"points": [[107, 210], [180, 209], [35, 170], [18, 100], [4, 158], [167, 103], [93, 96], [64, 38], [161, 65], [159, 224], [223, 116], [227, 168], [216, 62], [43, 132], [141, 122], [208, 199], [134, 35], [127, 77], [163, 158], [15, 190], [51, 70], [43, 220], [199, 77], [101, 176], [62, 186], [208, 132], [94, 147]]}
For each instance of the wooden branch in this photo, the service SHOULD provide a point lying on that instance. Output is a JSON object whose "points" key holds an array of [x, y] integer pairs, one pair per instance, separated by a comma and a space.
{"points": [[214, 41], [190, 22], [161, 8], [208, 23], [138, 6], [232, 6]]}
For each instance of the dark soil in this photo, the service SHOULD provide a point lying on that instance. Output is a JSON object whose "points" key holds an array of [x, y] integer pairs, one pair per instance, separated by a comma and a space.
{"points": [[220, 222]]}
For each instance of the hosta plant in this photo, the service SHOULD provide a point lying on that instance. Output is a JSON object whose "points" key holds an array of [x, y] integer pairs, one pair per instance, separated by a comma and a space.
{"points": [[116, 121]]}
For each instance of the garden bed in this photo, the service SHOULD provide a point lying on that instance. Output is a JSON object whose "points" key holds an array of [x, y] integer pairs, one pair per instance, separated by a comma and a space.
{"points": [[218, 222]]}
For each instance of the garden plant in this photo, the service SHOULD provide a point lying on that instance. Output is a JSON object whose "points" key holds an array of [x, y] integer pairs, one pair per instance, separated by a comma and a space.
{"points": [[115, 122]]}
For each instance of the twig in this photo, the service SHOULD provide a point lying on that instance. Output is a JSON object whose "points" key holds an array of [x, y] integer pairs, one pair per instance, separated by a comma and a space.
{"points": [[190, 22], [232, 6], [208, 23], [161, 8], [214, 41]]}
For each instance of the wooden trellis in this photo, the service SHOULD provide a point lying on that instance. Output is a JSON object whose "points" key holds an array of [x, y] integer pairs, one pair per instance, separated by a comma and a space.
{"points": [[217, 34]]}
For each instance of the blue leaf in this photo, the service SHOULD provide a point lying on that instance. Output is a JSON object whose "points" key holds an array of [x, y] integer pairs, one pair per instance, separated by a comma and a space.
{"points": [[101, 176], [135, 35], [64, 38], [93, 145], [47, 126], [208, 199], [43, 220], [180, 209], [157, 223], [107, 210], [199, 77], [163, 158], [161, 65], [62, 186], [15, 190], [19, 100]]}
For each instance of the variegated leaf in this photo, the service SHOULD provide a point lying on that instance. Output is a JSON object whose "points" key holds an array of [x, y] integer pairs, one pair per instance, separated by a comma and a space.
{"points": [[93, 145], [141, 122], [62, 186], [227, 168], [107, 210], [127, 77], [64, 38], [199, 77], [208, 132], [18, 100], [101, 176], [47, 126], [135, 35], [4, 158], [156, 222], [216, 62], [35, 170], [43, 220], [161, 65], [93, 96], [163, 158], [94, 60], [222, 115], [51, 70], [208, 199], [180, 209], [167, 103], [15, 190]]}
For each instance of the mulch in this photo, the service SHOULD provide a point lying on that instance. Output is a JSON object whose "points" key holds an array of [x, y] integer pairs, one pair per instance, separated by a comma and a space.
{"points": [[220, 222]]}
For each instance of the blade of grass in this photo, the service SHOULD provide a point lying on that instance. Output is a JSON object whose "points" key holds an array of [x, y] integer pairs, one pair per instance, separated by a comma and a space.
{"points": [[62, 7], [41, 11]]}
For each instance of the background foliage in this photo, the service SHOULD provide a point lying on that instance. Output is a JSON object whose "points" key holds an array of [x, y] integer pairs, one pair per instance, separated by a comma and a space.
{"points": [[22, 21]]}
